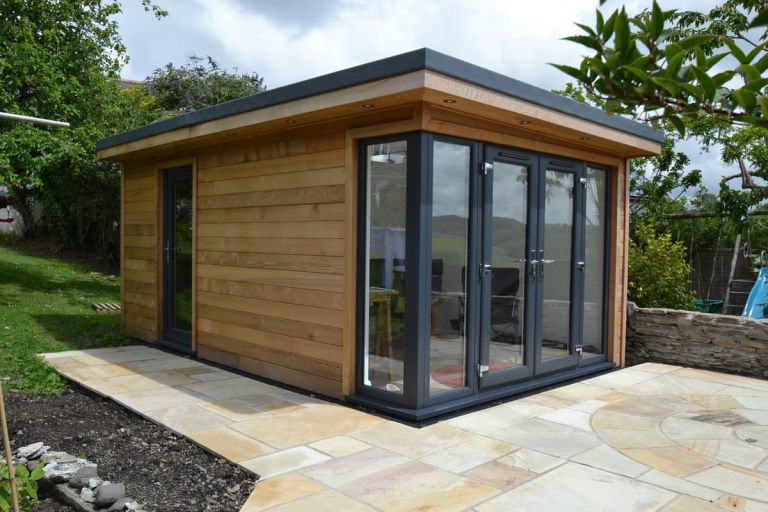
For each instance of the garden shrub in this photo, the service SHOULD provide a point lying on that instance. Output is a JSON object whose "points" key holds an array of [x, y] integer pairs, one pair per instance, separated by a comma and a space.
{"points": [[26, 486], [659, 275]]}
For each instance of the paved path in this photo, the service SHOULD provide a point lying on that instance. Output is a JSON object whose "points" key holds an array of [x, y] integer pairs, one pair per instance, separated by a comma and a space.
{"points": [[650, 437]]}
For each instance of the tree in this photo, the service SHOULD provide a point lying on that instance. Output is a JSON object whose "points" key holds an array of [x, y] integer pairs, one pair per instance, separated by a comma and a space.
{"points": [[679, 65], [703, 73], [59, 60], [198, 84]]}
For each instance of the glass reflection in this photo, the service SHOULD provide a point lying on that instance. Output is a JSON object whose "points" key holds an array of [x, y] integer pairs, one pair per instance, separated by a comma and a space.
{"points": [[508, 245], [385, 272], [594, 262], [450, 232], [556, 263]]}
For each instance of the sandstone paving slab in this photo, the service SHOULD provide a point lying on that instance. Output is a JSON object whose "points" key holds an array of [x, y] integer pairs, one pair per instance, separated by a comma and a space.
{"points": [[669, 384], [230, 444], [688, 504], [325, 501], [722, 378], [284, 461], [589, 406], [748, 484], [340, 446], [753, 402], [606, 418], [713, 401], [97, 372], [528, 408], [577, 392], [682, 428], [306, 425], [166, 363], [340, 472], [656, 367], [487, 421], [280, 490], [680, 485], [161, 398], [732, 451], [619, 380], [548, 437], [755, 416], [187, 419], [674, 460], [139, 382], [468, 454], [577, 488], [499, 475], [608, 459], [570, 417], [233, 409], [622, 438], [531, 461], [414, 485], [230, 388], [413, 442]]}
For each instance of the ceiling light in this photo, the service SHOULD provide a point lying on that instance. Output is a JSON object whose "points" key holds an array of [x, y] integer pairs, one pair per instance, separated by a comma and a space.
{"points": [[584, 138], [368, 105], [290, 121], [449, 101], [525, 122]]}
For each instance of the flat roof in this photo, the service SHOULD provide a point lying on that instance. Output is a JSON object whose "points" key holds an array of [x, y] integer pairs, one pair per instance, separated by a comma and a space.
{"points": [[423, 59]]}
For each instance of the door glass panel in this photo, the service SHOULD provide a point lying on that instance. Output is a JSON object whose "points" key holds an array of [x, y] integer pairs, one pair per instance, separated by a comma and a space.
{"points": [[556, 263], [385, 272], [509, 218], [594, 262], [182, 280], [450, 231]]}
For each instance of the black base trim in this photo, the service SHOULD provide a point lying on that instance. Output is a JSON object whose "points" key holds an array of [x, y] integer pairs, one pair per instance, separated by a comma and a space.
{"points": [[482, 397]]}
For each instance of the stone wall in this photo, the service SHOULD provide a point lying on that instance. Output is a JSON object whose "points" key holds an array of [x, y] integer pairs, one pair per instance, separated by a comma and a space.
{"points": [[730, 344]]}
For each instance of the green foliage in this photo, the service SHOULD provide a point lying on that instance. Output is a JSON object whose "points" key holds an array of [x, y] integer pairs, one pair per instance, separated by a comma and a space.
{"points": [[46, 308], [60, 61], [196, 85], [658, 272], [678, 66], [26, 486]]}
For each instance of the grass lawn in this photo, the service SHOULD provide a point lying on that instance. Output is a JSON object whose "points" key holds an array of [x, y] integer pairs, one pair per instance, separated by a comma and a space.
{"points": [[45, 306]]}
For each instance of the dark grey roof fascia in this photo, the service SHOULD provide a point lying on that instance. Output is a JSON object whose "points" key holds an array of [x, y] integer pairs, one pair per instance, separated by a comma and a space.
{"points": [[424, 58]]}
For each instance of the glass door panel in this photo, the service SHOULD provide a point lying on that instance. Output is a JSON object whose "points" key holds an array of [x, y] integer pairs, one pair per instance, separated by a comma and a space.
{"points": [[505, 335], [384, 325], [177, 258], [594, 263], [555, 263], [450, 243]]}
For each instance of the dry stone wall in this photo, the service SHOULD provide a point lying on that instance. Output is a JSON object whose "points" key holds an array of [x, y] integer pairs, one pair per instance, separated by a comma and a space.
{"points": [[723, 343]]}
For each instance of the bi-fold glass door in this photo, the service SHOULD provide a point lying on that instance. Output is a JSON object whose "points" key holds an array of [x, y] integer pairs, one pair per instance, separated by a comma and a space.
{"points": [[478, 268]]}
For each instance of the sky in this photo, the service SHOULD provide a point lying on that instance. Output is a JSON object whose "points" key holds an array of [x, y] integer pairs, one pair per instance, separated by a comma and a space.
{"points": [[286, 41]]}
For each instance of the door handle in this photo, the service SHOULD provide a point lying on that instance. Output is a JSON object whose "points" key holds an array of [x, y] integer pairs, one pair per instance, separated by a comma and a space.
{"points": [[534, 264], [167, 251], [485, 268]]}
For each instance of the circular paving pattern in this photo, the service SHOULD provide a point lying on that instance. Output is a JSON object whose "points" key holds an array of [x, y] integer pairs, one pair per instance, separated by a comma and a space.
{"points": [[710, 433]]}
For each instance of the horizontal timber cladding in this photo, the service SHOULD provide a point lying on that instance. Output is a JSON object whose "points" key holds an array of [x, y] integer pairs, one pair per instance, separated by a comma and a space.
{"points": [[271, 226], [139, 272]]}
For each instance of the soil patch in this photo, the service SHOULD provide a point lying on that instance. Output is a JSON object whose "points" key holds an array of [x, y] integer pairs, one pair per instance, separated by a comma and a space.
{"points": [[162, 471]]}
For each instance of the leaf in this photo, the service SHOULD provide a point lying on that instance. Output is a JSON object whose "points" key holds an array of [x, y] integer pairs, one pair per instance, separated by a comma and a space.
{"points": [[762, 64], [701, 58], [705, 82], [749, 72], [674, 64], [587, 29], [755, 51], [696, 41], [672, 49], [760, 20], [588, 41], [639, 73], [573, 72], [756, 85], [721, 78], [737, 53], [745, 98], [678, 124], [38, 472], [657, 21], [622, 31], [599, 21], [610, 23], [712, 61], [671, 86], [763, 106]]}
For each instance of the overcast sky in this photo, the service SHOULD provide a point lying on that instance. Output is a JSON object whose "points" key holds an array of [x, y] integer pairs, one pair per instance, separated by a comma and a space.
{"points": [[285, 41]]}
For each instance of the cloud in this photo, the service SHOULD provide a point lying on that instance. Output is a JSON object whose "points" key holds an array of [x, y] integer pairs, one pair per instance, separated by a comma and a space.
{"points": [[286, 41]]}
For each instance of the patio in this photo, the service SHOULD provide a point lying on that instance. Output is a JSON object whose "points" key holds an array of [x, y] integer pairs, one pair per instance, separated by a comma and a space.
{"points": [[656, 437]]}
